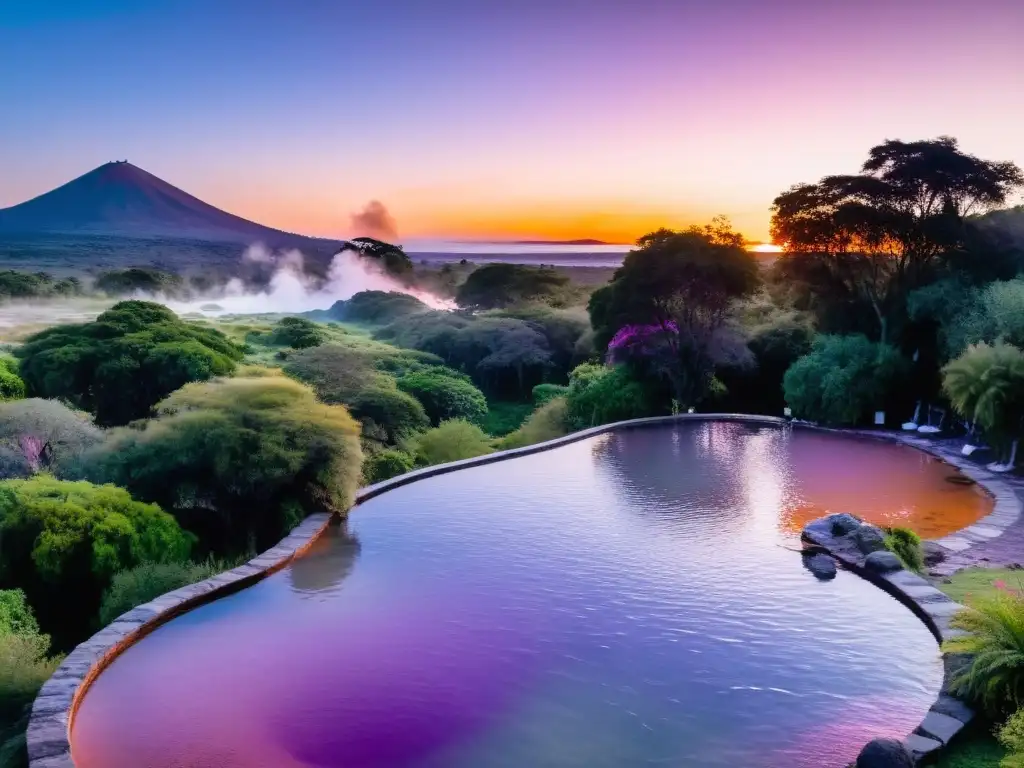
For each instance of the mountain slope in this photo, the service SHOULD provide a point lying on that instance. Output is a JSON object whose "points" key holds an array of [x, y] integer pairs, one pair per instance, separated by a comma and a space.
{"points": [[122, 200]]}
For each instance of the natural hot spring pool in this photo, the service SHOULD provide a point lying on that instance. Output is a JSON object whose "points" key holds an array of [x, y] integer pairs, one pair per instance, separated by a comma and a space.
{"points": [[625, 600]]}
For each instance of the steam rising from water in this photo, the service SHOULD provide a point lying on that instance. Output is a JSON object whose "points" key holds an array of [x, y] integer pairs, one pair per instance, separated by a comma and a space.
{"points": [[290, 290]]}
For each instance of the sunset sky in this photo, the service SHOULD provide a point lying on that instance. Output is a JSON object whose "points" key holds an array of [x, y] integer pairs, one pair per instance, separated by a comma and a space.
{"points": [[494, 118]]}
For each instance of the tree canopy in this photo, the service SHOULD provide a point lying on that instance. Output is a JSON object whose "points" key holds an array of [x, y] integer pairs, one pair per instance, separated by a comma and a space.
{"points": [[240, 460], [667, 309], [43, 435], [497, 286], [125, 282], [373, 307], [393, 258], [61, 542], [868, 239], [123, 363], [844, 380], [445, 395]]}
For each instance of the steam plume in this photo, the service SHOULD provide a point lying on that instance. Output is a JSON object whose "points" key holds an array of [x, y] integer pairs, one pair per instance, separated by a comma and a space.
{"points": [[374, 221]]}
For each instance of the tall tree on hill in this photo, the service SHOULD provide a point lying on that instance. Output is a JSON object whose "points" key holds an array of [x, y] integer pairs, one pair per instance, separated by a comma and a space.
{"points": [[392, 258], [864, 241]]}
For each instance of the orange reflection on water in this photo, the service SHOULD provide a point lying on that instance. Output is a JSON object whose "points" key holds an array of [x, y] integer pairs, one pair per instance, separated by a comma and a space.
{"points": [[881, 482]]}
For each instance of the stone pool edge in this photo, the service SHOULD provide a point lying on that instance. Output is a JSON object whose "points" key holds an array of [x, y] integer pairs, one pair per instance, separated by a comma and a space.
{"points": [[48, 737]]}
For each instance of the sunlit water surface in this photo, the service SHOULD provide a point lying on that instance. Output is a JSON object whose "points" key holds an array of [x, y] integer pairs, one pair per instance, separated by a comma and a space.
{"points": [[630, 599]]}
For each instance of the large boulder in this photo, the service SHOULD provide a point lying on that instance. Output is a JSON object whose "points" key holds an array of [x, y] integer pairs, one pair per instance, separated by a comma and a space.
{"points": [[882, 562], [842, 523], [869, 538], [821, 565], [885, 753]]}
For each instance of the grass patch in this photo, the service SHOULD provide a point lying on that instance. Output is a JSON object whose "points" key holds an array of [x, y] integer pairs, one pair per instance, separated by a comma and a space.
{"points": [[973, 749], [504, 417], [973, 583]]}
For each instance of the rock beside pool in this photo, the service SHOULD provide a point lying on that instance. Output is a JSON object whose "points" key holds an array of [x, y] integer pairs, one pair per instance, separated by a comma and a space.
{"points": [[933, 553], [882, 562], [842, 523], [885, 753], [869, 538], [821, 565]]}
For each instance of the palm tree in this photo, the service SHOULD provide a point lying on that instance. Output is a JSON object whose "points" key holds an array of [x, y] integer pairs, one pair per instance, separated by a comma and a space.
{"points": [[986, 384]]}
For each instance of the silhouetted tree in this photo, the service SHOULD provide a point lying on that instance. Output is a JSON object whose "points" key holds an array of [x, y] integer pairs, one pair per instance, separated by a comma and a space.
{"points": [[868, 239], [392, 257], [669, 305]]}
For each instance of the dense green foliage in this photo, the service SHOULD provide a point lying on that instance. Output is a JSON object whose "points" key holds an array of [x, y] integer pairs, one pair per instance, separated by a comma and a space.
{"points": [[125, 282], [298, 333], [505, 356], [667, 312], [16, 616], [844, 380], [497, 286], [504, 416], [383, 465], [11, 385], [147, 581], [43, 435], [549, 421], [61, 542], [857, 245], [906, 545], [1011, 736], [986, 384], [373, 308], [600, 394], [451, 441], [239, 461], [544, 393], [123, 363], [445, 396], [35, 285], [397, 413], [994, 676], [25, 665]]}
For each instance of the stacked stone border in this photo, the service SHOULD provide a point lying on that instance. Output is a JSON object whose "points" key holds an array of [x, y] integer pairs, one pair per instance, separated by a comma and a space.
{"points": [[50, 723]]}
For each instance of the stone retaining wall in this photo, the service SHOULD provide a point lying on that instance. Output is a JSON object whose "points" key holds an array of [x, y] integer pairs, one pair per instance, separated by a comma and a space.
{"points": [[54, 708]]}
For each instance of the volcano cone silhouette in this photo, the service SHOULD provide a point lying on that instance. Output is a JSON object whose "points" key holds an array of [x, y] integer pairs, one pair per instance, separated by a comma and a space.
{"points": [[122, 200]]}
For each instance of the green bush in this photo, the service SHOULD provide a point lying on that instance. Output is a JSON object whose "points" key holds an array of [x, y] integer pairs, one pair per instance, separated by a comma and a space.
{"points": [[994, 676], [444, 396], [376, 307], [383, 465], [397, 413], [25, 665], [906, 545], [505, 356], [61, 542], [452, 440], [16, 616], [298, 333], [1011, 736], [543, 393], [844, 380], [26, 285], [603, 394], [239, 461], [123, 363], [504, 417], [11, 385], [986, 384], [136, 586], [500, 285], [546, 423], [139, 279], [43, 435]]}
